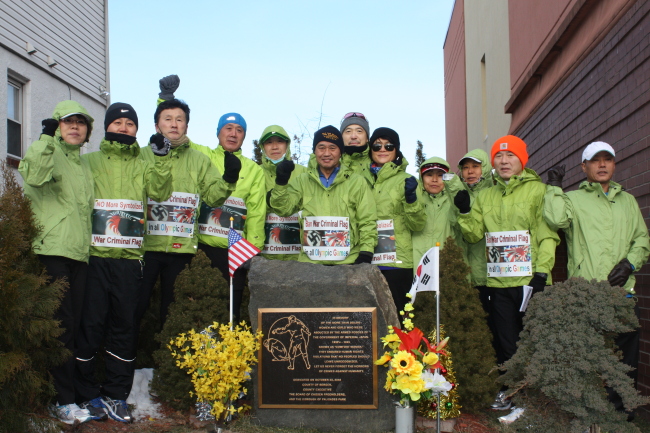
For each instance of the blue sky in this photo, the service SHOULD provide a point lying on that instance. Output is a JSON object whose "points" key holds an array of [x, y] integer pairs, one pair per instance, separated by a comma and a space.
{"points": [[297, 64]]}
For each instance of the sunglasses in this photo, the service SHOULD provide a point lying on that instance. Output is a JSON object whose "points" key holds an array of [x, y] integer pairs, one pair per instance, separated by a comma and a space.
{"points": [[69, 121], [377, 147], [353, 114]]}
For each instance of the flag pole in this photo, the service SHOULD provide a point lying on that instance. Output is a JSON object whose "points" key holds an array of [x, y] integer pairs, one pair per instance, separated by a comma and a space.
{"points": [[230, 303], [436, 287]]}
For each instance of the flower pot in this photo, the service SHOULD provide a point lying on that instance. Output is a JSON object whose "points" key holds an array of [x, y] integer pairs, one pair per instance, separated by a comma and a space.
{"points": [[405, 419]]}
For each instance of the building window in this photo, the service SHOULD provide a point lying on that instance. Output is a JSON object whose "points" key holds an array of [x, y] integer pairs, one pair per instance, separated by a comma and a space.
{"points": [[14, 119]]}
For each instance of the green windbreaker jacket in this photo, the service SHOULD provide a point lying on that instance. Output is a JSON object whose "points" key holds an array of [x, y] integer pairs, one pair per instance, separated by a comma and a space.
{"points": [[247, 203], [601, 230], [280, 233], [515, 206], [59, 185], [172, 225], [388, 190], [348, 200], [123, 182]]}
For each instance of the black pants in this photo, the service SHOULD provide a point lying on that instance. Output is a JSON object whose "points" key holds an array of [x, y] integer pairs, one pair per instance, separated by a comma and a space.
{"points": [[399, 281], [219, 259], [507, 320], [167, 266], [69, 313], [484, 297], [112, 293]]}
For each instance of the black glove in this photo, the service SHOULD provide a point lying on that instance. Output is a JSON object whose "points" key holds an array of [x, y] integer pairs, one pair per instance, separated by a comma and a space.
{"points": [[160, 145], [283, 172], [620, 273], [410, 185], [364, 257], [538, 282], [462, 201], [231, 167], [168, 86], [555, 175], [49, 126]]}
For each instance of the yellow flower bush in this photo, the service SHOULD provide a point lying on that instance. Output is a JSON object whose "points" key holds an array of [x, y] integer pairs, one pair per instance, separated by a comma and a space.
{"points": [[218, 360]]}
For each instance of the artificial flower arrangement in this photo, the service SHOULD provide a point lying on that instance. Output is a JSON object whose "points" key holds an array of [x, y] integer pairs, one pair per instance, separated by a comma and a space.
{"points": [[219, 359], [413, 362]]}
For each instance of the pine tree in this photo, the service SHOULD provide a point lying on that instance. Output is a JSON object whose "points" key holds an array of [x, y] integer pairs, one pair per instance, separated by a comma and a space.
{"points": [[201, 298], [420, 156], [257, 152], [565, 357], [464, 320], [29, 347]]}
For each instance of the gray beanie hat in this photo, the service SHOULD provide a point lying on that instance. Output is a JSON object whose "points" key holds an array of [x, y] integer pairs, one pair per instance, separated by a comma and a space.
{"points": [[354, 120]]}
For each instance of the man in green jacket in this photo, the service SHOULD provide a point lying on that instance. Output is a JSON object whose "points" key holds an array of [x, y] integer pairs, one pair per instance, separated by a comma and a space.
{"points": [[170, 239], [338, 214], [282, 234], [59, 185], [355, 131], [606, 235], [520, 246], [123, 182]]}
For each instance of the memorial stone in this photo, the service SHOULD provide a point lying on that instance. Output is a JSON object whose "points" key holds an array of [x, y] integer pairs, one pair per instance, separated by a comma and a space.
{"points": [[289, 285]]}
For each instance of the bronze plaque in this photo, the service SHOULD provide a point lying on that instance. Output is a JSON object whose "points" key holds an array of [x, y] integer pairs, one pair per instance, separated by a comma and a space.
{"points": [[318, 358]]}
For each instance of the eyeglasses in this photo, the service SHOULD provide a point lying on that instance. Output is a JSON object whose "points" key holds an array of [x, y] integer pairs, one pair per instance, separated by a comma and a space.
{"points": [[69, 121], [353, 114], [376, 147]]}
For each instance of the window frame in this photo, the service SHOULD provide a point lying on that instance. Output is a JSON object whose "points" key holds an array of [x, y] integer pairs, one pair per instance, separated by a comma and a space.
{"points": [[19, 86]]}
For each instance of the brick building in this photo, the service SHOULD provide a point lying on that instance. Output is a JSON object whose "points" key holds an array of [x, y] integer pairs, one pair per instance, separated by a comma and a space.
{"points": [[579, 71]]}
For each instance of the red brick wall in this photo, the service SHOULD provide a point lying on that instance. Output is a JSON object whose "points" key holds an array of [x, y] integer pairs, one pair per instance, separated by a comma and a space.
{"points": [[607, 97]]}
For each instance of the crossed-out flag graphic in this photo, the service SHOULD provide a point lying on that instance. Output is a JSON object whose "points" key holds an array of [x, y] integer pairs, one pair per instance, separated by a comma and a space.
{"points": [[239, 250]]}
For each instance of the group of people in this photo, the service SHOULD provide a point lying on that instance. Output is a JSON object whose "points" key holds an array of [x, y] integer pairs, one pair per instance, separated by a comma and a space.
{"points": [[116, 221]]}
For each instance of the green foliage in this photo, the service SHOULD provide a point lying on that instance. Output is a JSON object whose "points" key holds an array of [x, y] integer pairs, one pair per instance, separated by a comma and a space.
{"points": [[257, 152], [465, 324], [420, 156], [565, 357], [201, 298], [28, 334]]}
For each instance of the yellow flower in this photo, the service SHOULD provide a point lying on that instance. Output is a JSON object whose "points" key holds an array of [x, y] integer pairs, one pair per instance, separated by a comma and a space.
{"points": [[408, 295], [384, 359], [430, 358], [408, 307], [408, 324], [403, 362], [390, 338], [410, 385]]}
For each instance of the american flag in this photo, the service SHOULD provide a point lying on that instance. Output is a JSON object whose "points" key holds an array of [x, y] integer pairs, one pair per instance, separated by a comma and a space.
{"points": [[239, 250]]}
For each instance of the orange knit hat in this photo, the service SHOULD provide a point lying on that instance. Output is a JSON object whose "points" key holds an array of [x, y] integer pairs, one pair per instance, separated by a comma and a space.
{"points": [[512, 144]]}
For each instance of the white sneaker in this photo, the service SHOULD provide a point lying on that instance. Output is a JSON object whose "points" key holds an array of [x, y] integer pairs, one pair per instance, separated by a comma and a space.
{"points": [[512, 416], [71, 414]]}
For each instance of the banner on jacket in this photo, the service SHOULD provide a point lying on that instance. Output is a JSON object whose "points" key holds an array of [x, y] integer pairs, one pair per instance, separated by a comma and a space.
{"points": [[427, 274], [282, 234], [508, 254], [386, 250], [117, 223], [174, 217], [215, 221], [326, 238]]}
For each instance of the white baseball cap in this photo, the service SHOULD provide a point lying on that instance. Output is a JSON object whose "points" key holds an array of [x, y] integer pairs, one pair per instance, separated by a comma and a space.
{"points": [[595, 147]]}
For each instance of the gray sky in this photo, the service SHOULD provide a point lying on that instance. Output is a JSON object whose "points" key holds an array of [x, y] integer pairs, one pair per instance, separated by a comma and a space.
{"points": [[298, 64]]}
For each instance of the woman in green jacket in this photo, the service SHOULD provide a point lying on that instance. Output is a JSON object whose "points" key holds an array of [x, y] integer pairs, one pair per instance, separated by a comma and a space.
{"points": [[59, 185], [399, 212], [282, 234]]}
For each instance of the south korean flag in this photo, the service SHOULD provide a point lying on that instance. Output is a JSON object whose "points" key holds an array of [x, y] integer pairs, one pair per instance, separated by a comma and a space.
{"points": [[427, 275]]}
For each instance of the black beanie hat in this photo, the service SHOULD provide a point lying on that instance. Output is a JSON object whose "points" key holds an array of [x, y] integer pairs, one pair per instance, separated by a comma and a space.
{"points": [[117, 111], [330, 134], [387, 133]]}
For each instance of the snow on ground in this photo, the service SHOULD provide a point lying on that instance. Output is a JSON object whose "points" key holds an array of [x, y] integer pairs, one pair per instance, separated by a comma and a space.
{"points": [[140, 398]]}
